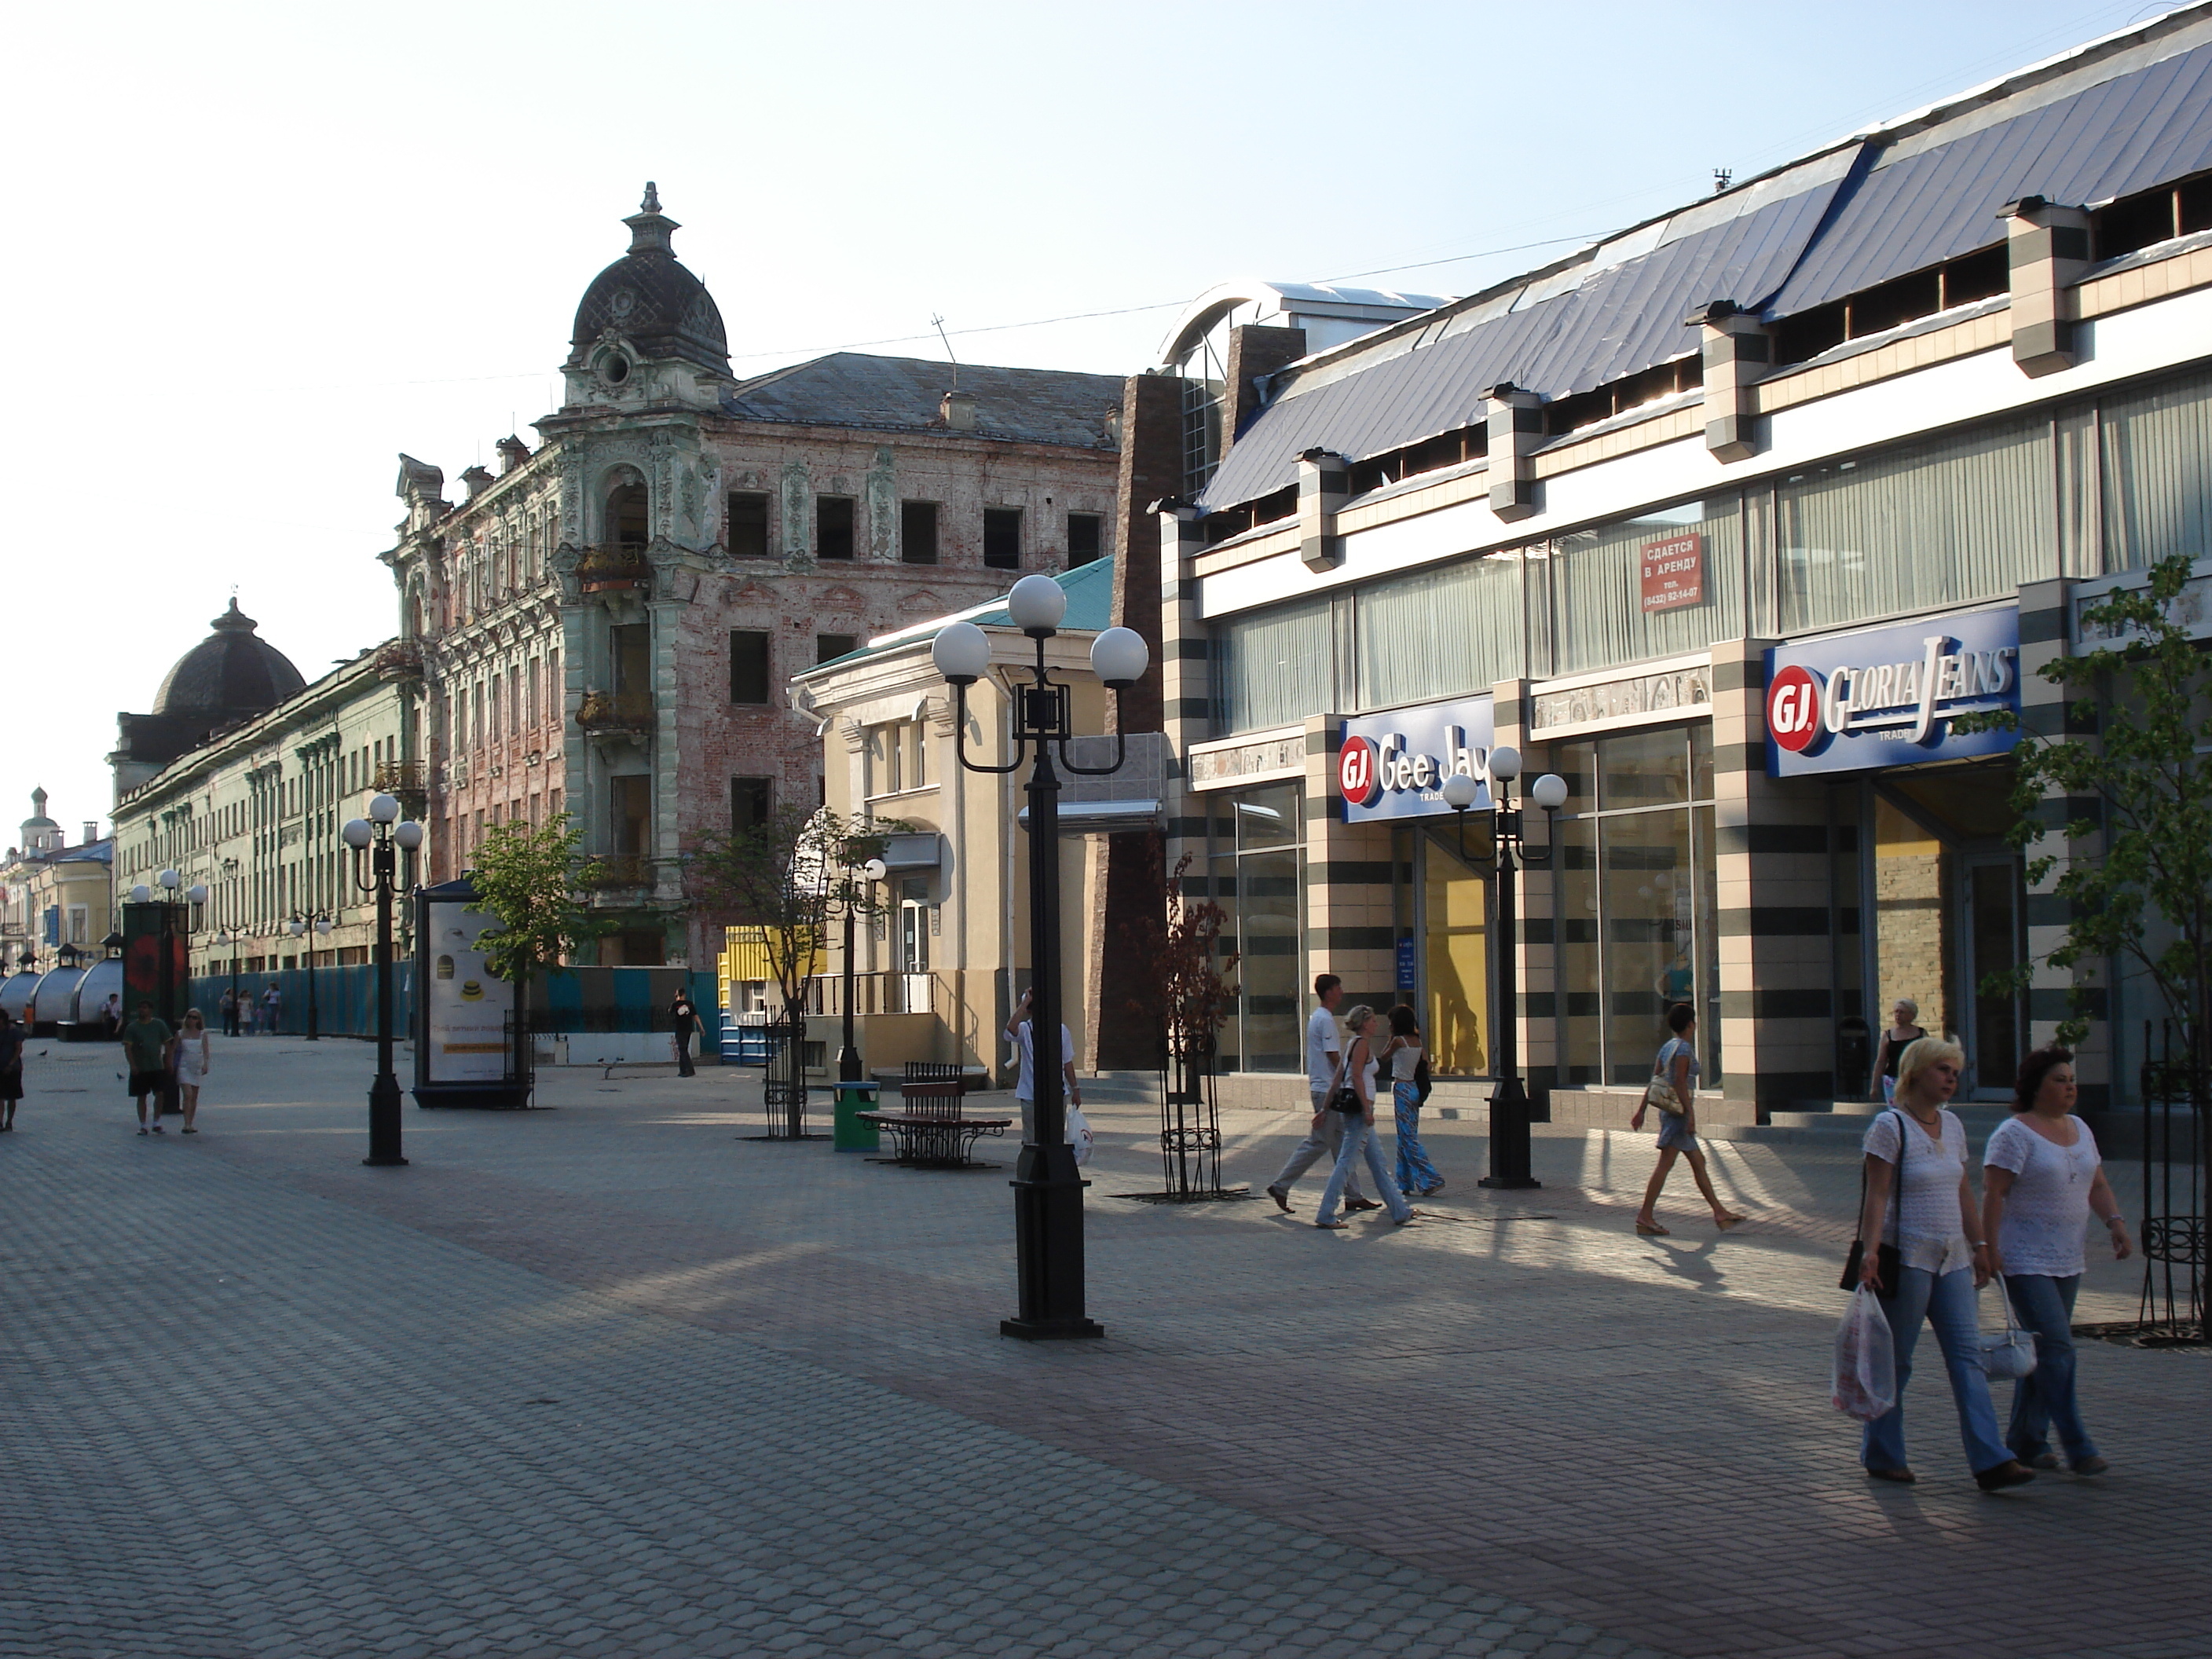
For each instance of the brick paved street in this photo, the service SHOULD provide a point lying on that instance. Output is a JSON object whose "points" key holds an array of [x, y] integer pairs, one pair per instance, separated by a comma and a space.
{"points": [[610, 1380]]}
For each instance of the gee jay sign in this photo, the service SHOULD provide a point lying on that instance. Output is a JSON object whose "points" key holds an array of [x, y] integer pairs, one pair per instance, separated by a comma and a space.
{"points": [[1394, 766], [1888, 696]]}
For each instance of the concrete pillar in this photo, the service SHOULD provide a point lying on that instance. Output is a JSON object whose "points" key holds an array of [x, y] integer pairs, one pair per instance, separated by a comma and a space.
{"points": [[1537, 995], [1737, 352], [1324, 486], [2049, 249], [1349, 930], [1516, 428], [1777, 1016]]}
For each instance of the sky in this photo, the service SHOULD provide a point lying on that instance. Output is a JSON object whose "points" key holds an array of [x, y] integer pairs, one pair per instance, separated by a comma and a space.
{"points": [[260, 250]]}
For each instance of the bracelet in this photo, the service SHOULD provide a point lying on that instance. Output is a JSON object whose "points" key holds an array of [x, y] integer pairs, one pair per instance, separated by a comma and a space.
{"points": [[2116, 1221]]}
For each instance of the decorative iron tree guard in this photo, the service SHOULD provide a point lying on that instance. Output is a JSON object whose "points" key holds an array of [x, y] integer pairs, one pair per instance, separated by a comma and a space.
{"points": [[2175, 1100], [783, 1090]]}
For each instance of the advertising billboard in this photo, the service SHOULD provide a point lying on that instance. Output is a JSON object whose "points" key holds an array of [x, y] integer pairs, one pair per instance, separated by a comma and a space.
{"points": [[1394, 765], [464, 1007], [1888, 696]]}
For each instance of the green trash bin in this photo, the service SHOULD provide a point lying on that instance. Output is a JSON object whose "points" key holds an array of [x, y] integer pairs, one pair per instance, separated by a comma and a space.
{"points": [[848, 1133]]}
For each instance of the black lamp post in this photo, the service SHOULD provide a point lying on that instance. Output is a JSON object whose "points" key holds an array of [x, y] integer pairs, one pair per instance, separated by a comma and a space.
{"points": [[384, 838], [848, 1057], [1048, 1189], [1508, 1105], [316, 924]]}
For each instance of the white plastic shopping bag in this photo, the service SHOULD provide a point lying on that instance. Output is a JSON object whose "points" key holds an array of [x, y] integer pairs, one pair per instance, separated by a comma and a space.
{"points": [[1079, 1133], [1866, 1360]]}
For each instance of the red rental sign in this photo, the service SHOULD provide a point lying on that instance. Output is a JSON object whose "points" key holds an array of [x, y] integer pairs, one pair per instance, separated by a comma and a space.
{"points": [[1673, 571]]}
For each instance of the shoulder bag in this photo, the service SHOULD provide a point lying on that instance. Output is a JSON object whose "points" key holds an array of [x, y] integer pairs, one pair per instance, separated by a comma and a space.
{"points": [[1342, 1095], [1887, 1259], [2009, 1352], [1661, 1094]]}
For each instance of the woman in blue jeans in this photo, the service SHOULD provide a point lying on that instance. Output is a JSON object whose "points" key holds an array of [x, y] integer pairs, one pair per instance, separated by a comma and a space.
{"points": [[1917, 1200], [2041, 1178], [1358, 1074]]}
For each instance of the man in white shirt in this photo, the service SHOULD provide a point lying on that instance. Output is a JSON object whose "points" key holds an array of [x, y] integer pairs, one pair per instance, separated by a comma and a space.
{"points": [[1018, 1033], [1324, 1055]]}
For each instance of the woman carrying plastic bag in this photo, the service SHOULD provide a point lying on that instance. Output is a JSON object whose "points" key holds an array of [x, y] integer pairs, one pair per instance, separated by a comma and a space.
{"points": [[1865, 1385]]}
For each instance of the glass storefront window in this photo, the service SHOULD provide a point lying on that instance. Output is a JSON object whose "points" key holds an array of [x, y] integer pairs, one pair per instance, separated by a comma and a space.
{"points": [[1597, 586], [1256, 855], [1456, 950], [1274, 667], [1637, 923]]}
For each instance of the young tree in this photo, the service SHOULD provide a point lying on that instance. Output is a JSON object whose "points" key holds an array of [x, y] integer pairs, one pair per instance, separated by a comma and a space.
{"points": [[2140, 794], [1197, 993], [529, 881]]}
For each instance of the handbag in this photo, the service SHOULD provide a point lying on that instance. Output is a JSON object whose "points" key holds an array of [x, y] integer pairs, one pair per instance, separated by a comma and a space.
{"points": [[1888, 1260], [2009, 1352], [1661, 1094], [1342, 1096]]}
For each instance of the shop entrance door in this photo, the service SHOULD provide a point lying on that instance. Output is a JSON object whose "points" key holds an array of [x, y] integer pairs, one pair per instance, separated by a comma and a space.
{"points": [[1992, 939]]}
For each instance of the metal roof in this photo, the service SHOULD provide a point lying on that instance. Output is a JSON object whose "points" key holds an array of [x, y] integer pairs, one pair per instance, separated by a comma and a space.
{"points": [[2113, 119], [902, 394], [1089, 590]]}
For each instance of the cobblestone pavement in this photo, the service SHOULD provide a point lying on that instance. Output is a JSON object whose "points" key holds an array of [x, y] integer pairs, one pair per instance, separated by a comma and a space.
{"points": [[609, 1379]]}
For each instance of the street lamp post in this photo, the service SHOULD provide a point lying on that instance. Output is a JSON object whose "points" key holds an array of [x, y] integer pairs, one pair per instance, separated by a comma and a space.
{"points": [[384, 838], [848, 1057], [300, 926], [1048, 1189], [1508, 1105]]}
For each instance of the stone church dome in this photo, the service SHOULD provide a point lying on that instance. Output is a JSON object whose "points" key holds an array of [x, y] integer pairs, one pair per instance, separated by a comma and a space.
{"points": [[652, 302], [232, 675]]}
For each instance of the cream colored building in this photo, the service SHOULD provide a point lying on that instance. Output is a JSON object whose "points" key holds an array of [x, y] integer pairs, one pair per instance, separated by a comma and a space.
{"points": [[938, 968], [53, 894], [253, 811]]}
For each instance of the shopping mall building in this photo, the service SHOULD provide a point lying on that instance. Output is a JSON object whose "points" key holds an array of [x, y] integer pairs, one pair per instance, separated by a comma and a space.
{"points": [[1725, 520]]}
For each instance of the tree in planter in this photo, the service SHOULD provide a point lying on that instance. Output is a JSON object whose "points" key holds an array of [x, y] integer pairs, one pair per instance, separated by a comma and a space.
{"points": [[2140, 794], [791, 876], [1195, 998], [530, 880]]}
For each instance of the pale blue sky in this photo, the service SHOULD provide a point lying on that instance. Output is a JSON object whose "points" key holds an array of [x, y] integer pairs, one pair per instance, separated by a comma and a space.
{"points": [[259, 249]]}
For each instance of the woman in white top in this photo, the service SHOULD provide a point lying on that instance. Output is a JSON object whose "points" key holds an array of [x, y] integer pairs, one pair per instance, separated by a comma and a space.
{"points": [[191, 1064], [1917, 1202], [1364, 1025], [2041, 1178], [1416, 1176]]}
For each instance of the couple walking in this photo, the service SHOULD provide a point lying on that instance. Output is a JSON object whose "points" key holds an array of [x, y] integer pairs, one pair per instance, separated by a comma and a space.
{"points": [[1341, 1080]]}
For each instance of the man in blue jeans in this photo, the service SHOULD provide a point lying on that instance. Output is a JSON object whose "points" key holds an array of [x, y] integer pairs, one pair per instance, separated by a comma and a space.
{"points": [[1324, 1055]]}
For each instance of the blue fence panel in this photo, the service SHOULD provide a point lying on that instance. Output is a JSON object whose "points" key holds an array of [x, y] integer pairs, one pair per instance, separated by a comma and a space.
{"points": [[344, 998]]}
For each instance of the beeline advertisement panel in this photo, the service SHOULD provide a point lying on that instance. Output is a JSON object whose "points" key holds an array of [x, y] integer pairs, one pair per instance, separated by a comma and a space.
{"points": [[1888, 696], [1394, 765]]}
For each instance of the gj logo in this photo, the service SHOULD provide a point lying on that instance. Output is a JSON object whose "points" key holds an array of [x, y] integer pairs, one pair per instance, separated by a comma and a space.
{"points": [[1793, 709], [1358, 775]]}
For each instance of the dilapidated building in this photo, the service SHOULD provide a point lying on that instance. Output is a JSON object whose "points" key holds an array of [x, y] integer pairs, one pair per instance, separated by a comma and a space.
{"points": [[606, 626]]}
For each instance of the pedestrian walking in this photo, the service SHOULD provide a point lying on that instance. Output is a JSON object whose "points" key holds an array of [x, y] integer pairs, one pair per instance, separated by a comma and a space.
{"points": [[2041, 1180], [1408, 1062], [688, 1026], [146, 1044], [1352, 1097], [1677, 1065], [190, 1053], [272, 1009], [1018, 1033], [11, 1068], [1901, 1034], [1325, 1132], [1918, 1203], [229, 1007]]}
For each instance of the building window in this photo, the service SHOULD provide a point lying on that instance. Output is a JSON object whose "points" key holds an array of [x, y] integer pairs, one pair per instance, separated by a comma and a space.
{"points": [[897, 757], [1275, 666], [749, 666], [1085, 541], [1002, 537], [918, 532], [748, 537], [750, 801], [828, 647], [1637, 926], [1255, 843], [833, 527], [626, 524]]}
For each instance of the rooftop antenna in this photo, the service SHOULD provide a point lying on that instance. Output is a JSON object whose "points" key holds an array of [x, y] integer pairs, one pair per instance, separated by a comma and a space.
{"points": [[938, 323], [1721, 178]]}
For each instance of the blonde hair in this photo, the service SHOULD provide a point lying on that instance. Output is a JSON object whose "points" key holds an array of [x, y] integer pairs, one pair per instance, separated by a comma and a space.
{"points": [[1911, 1008], [1355, 1017], [1922, 1053]]}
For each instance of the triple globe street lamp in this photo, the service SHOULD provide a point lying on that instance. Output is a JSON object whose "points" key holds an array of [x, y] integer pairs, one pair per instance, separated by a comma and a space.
{"points": [[383, 837], [1048, 1189], [1508, 1105]]}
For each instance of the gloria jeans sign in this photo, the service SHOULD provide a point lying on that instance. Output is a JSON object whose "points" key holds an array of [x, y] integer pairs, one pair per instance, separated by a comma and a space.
{"points": [[1394, 766], [1888, 696]]}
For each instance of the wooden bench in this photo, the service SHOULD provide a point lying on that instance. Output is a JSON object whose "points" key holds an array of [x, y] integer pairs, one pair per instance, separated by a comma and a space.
{"points": [[930, 1130]]}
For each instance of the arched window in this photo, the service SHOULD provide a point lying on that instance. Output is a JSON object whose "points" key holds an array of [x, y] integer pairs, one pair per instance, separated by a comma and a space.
{"points": [[626, 516]]}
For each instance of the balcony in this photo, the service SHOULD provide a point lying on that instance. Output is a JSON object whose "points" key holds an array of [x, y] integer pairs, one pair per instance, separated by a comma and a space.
{"points": [[613, 570], [626, 712], [399, 660], [606, 872], [888, 992], [399, 778]]}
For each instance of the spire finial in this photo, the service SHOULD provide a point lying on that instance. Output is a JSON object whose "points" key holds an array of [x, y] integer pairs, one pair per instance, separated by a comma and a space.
{"points": [[651, 202]]}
